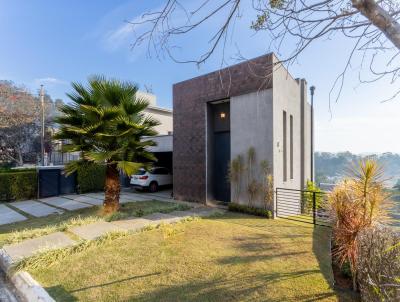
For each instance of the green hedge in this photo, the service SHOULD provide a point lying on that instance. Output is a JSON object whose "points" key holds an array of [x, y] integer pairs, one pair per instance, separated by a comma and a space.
{"points": [[234, 207], [90, 178], [18, 184]]}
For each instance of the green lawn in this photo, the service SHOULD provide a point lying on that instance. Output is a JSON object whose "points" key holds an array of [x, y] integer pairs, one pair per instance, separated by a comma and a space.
{"points": [[34, 227], [228, 258]]}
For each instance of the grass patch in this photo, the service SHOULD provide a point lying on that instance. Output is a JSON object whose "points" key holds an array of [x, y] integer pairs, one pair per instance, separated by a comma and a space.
{"points": [[233, 257], [35, 227]]}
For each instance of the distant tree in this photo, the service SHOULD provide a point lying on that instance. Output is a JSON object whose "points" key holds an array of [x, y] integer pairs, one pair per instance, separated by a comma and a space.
{"points": [[105, 123], [20, 122]]}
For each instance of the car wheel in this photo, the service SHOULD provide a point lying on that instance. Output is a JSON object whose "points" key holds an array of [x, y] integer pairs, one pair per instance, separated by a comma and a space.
{"points": [[153, 187]]}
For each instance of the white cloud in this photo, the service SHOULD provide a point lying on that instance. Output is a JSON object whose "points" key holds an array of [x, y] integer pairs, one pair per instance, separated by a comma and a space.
{"points": [[49, 81], [115, 33]]}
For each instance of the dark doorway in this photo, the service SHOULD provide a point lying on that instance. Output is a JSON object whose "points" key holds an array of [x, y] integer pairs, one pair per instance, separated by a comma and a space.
{"points": [[221, 151]]}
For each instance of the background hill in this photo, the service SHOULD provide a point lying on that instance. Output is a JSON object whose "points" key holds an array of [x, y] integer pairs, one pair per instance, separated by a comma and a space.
{"points": [[331, 167]]}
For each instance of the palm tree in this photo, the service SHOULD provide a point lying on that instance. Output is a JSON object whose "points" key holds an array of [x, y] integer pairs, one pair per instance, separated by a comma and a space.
{"points": [[105, 123]]}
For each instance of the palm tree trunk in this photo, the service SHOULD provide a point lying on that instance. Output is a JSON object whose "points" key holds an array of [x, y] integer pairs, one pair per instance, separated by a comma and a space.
{"points": [[112, 189]]}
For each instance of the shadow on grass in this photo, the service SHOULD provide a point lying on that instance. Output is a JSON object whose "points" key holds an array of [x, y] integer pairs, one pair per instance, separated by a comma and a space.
{"points": [[222, 289], [322, 251], [63, 295], [113, 282], [254, 258]]}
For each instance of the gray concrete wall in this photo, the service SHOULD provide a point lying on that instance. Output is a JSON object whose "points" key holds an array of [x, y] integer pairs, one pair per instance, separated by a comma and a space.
{"points": [[251, 126], [286, 95]]}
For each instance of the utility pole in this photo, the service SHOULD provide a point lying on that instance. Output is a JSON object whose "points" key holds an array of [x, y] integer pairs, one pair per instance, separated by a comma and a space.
{"points": [[312, 89], [42, 135]]}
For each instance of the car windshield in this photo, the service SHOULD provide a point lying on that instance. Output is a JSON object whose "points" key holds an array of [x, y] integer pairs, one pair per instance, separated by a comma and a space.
{"points": [[141, 172]]}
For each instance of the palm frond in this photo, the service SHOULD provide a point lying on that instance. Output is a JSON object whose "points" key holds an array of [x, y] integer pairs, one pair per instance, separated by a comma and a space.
{"points": [[128, 167]]}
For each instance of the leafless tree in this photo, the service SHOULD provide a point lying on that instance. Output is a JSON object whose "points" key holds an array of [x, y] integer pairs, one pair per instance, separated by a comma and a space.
{"points": [[20, 126], [372, 26]]}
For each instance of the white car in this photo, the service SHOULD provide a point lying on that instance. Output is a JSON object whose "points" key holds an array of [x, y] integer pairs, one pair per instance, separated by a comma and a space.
{"points": [[152, 179]]}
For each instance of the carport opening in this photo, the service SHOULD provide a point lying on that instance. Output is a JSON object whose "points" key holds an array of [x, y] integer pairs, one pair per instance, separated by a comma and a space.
{"points": [[164, 159]]}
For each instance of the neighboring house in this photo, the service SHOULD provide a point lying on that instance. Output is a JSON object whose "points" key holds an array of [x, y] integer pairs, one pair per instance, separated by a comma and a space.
{"points": [[220, 115], [163, 115]]}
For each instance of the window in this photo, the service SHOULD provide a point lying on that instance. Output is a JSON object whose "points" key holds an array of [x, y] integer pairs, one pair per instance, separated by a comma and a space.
{"points": [[291, 146], [160, 171], [284, 147]]}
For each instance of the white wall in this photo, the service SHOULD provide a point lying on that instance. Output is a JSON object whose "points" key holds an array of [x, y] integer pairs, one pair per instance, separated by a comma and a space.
{"points": [[251, 126], [164, 117], [151, 98], [286, 95], [164, 143]]}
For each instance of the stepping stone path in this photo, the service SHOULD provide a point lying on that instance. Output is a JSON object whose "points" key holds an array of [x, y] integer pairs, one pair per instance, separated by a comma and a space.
{"points": [[89, 200], [65, 203], [94, 230], [30, 247], [35, 208], [158, 218], [95, 195], [133, 224], [8, 215]]}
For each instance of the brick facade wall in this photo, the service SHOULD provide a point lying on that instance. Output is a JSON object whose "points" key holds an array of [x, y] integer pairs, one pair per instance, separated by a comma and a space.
{"points": [[189, 119]]}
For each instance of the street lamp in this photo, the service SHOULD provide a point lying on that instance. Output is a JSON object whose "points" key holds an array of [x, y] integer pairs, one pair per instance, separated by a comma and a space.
{"points": [[312, 89], [42, 135]]}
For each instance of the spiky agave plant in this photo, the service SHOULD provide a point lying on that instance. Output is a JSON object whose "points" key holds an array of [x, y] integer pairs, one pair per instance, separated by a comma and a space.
{"points": [[357, 204], [105, 123]]}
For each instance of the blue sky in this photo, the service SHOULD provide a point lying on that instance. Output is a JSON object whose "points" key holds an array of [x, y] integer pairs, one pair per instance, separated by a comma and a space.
{"points": [[56, 42]]}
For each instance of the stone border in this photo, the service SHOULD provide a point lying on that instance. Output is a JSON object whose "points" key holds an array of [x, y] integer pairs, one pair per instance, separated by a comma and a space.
{"points": [[26, 287]]}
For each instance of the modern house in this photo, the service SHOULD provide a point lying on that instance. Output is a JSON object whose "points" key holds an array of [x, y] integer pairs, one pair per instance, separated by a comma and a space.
{"points": [[219, 116], [163, 115], [163, 149]]}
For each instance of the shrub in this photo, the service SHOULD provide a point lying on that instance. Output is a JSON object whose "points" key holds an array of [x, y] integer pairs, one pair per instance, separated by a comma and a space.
{"points": [[235, 207], [18, 184], [90, 178], [379, 264], [236, 168], [268, 185], [307, 198], [356, 206]]}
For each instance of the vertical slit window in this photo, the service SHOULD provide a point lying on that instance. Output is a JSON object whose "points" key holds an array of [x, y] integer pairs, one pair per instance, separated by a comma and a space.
{"points": [[291, 146], [284, 147]]}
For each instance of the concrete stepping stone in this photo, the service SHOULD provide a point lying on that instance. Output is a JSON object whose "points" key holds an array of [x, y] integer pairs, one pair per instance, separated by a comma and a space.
{"points": [[124, 199], [158, 218], [205, 212], [159, 198], [182, 214], [95, 195], [33, 246], [134, 197], [94, 230], [160, 195], [8, 215], [65, 203], [133, 224], [35, 208], [89, 200]]}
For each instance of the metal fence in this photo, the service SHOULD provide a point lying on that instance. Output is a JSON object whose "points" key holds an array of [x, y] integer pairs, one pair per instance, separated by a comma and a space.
{"points": [[302, 205]]}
